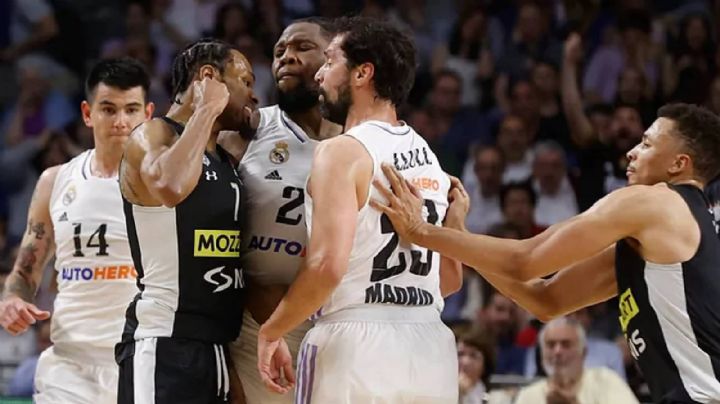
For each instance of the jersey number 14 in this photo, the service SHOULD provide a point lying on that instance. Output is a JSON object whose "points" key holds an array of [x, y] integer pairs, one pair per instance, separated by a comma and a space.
{"points": [[101, 243]]}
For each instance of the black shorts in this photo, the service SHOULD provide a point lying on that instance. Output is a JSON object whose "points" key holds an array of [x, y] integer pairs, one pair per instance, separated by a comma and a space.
{"points": [[171, 370]]}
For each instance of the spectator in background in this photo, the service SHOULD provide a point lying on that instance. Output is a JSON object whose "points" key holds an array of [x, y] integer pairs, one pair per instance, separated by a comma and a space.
{"points": [[556, 197], [513, 140], [485, 195], [634, 50], [22, 382], [457, 127], [499, 320], [603, 150], [518, 201], [563, 347], [475, 43], [32, 25], [231, 22], [38, 107], [600, 351], [688, 70], [531, 41], [476, 363], [633, 91]]}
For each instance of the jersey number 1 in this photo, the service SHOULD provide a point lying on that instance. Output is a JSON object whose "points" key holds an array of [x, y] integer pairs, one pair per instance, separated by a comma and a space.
{"points": [[382, 271], [101, 245]]}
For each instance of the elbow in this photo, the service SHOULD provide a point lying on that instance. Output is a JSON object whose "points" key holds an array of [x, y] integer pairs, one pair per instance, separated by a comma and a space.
{"points": [[329, 271], [169, 194]]}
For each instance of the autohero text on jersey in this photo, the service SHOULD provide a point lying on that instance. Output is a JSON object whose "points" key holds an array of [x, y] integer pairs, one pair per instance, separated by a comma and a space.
{"points": [[109, 272]]}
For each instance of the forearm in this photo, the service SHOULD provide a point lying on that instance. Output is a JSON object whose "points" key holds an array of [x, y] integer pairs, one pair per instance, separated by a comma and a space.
{"points": [[44, 31], [181, 164], [25, 277], [308, 293], [580, 128]]}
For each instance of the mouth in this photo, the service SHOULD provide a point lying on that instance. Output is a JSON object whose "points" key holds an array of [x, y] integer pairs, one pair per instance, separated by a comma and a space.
{"points": [[285, 75]]}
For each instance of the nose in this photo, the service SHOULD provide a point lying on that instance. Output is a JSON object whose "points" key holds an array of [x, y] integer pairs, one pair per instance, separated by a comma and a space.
{"points": [[632, 154], [320, 75], [121, 120], [288, 57]]}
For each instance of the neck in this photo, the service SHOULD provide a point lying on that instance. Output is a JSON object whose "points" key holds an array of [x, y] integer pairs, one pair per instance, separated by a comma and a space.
{"points": [[106, 161], [313, 124], [687, 181], [181, 113], [375, 110]]}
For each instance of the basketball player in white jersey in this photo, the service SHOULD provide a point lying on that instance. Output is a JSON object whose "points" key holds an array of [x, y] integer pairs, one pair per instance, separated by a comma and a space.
{"points": [[378, 337], [76, 213], [274, 169]]}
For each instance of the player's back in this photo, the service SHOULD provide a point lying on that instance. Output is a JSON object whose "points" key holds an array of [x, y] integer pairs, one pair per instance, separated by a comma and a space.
{"points": [[383, 269], [379, 337], [95, 273]]}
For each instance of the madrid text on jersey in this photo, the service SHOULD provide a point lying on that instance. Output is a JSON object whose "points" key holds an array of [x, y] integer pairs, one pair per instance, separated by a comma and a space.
{"points": [[408, 296], [110, 272]]}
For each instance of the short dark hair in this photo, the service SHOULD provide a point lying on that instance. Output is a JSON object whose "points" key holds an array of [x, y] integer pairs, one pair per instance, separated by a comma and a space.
{"points": [[389, 49], [442, 73], [699, 128], [206, 51], [328, 28], [524, 186], [485, 344], [122, 73]]}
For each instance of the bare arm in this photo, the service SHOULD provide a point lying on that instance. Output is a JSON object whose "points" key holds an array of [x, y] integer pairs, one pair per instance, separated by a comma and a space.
{"points": [[339, 166], [17, 312], [38, 243], [631, 212], [170, 167], [581, 130], [586, 283]]}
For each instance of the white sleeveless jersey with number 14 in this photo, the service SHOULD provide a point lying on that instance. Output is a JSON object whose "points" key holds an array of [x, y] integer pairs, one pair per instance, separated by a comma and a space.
{"points": [[382, 268], [95, 272]]}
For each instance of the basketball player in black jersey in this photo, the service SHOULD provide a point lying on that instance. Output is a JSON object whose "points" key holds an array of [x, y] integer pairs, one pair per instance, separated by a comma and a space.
{"points": [[182, 199], [654, 244]]}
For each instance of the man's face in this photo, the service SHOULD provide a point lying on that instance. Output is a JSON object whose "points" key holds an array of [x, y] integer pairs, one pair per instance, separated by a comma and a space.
{"points": [[518, 209], [631, 85], [446, 95], [489, 169], [626, 128], [241, 112], [549, 170], [562, 354], [513, 139], [524, 101], [651, 159], [113, 113], [334, 80], [500, 315], [470, 361], [297, 56]]}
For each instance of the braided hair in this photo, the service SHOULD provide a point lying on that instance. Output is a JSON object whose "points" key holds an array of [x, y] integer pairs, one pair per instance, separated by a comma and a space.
{"points": [[206, 51]]}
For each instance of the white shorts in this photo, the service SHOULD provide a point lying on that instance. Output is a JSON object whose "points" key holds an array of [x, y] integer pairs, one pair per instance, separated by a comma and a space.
{"points": [[59, 379], [244, 355], [378, 355]]}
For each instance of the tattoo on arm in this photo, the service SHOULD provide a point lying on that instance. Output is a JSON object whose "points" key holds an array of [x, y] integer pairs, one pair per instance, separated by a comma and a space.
{"points": [[38, 229]]}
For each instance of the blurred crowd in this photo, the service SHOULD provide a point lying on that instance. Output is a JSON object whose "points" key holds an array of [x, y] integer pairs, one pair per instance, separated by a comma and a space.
{"points": [[532, 103]]}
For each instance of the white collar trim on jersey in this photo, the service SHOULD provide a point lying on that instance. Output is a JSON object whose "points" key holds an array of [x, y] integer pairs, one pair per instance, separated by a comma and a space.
{"points": [[403, 129], [293, 127]]}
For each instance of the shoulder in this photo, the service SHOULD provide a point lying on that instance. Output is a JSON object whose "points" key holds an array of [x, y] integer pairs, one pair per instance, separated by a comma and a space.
{"points": [[47, 178], [340, 146], [148, 136], [634, 199]]}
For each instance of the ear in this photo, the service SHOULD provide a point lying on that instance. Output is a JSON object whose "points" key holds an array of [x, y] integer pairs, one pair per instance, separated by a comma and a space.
{"points": [[362, 74], [208, 71], [85, 110], [682, 162], [149, 110]]}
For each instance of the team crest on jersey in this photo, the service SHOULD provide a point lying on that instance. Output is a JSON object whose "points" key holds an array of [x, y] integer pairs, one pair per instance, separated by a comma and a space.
{"points": [[69, 196], [280, 154]]}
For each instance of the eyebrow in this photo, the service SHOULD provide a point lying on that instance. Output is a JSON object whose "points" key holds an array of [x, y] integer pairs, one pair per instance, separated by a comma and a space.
{"points": [[112, 104]]}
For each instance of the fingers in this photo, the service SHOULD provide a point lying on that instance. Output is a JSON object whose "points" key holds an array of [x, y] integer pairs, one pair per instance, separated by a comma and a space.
{"points": [[413, 189], [379, 206], [394, 177], [37, 313], [384, 191], [289, 373]]}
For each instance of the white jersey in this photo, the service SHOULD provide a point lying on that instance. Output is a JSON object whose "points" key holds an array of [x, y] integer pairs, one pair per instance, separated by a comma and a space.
{"points": [[274, 171], [95, 272], [383, 270]]}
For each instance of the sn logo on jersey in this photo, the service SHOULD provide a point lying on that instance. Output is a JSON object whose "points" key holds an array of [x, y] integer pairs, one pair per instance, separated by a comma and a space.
{"points": [[224, 281], [217, 243]]}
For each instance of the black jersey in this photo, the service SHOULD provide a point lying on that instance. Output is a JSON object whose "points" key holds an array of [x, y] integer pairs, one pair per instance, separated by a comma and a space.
{"points": [[670, 314], [187, 260]]}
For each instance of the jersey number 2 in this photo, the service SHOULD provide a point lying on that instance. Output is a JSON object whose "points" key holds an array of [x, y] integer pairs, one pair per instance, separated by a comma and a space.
{"points": [[297, 198], [101, 244], [382, 271]]}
